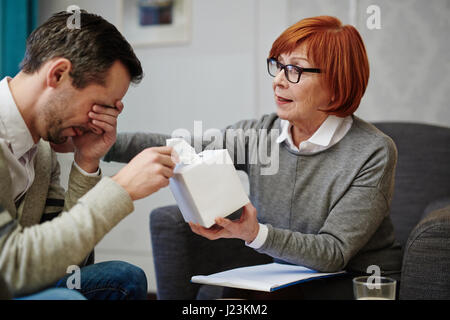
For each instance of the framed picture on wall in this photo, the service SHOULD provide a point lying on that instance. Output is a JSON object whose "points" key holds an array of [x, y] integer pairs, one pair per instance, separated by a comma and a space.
{"points": [[155, 22]]}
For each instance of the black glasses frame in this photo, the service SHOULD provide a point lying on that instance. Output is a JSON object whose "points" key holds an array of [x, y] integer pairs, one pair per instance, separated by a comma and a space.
{"points": [[300, 70]]}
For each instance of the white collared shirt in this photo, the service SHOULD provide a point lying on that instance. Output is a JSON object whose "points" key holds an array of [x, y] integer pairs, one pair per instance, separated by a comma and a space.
{"points": [[332, 130], [16, 142]]}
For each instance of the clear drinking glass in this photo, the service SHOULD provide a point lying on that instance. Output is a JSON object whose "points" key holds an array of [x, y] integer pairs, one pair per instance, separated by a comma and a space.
{"points": [[374, 288]]}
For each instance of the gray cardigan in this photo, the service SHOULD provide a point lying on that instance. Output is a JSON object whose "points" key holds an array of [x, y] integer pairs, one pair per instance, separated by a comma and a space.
{"points": [[327, 211]]}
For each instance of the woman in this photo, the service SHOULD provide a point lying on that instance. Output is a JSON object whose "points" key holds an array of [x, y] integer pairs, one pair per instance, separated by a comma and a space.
{"points": [[327, 207]]}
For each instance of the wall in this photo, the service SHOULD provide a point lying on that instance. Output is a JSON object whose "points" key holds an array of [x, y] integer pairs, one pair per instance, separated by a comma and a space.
{"points": [[220, 77], [410, 68]]}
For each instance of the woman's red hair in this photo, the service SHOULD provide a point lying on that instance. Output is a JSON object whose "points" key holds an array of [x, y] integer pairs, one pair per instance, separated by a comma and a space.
{"points": [[338, 51]]}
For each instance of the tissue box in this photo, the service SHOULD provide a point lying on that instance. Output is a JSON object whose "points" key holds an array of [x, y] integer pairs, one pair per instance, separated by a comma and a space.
{"points": [[208, 188]]}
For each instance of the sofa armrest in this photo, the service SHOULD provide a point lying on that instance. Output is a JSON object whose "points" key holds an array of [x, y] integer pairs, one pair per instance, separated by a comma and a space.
{"points": [[436, 205], [426, 260]]}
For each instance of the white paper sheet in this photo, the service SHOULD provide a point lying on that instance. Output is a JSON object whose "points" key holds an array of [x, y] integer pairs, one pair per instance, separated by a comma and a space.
{"points": [[266, 277]]}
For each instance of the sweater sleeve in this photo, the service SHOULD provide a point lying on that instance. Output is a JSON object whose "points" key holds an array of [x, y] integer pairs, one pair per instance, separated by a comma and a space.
{"points": [[351, 222], [248, 142], [128, 145], [34, 257]]}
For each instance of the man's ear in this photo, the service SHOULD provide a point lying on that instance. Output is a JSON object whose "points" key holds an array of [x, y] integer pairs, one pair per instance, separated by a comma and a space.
{"points": [[58, 72]]}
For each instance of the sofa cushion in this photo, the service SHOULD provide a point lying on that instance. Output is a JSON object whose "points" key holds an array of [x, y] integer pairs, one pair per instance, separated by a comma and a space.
{"points": [[422, 173]]}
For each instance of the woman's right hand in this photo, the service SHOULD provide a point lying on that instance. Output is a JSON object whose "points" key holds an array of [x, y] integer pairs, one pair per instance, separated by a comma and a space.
{"points": [[245, 228]]}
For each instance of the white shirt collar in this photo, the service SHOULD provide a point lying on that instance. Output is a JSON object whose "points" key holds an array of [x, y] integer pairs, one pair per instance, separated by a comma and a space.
{"points": [[325, 133], [12, 126], [320, 140]]}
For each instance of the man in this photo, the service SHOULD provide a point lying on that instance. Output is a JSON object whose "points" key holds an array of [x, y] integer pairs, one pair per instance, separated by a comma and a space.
{"points": [[67, 75]]}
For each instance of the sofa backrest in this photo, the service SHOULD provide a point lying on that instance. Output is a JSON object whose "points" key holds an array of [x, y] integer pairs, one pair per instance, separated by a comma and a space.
{"points": [[423, 171]]}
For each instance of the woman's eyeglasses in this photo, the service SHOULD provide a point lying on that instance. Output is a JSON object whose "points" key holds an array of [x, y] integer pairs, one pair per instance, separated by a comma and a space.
{"points": [[292, 73]]}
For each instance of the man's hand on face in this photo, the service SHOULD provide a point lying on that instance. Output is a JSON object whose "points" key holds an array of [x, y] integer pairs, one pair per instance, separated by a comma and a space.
{"points": [[92, 144]]}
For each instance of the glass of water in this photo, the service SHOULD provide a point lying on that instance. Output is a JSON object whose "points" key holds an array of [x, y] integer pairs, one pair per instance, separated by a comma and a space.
{"points": [[374, 288]]}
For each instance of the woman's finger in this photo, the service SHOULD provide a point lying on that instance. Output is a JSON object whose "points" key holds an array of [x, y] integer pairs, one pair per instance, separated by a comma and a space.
{"points": [[225, 223], [198, 230], [249, 211], [193, 228], [212, 233]]}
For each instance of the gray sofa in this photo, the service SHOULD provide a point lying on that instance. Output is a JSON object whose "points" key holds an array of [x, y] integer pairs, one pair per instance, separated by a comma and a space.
{"points": [[420, 212]]}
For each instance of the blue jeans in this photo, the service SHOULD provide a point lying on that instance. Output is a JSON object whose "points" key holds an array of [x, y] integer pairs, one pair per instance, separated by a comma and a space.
{"points": [[55, 294], [112, 280]]}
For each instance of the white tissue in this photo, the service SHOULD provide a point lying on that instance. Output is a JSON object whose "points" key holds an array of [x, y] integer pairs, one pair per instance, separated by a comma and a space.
{"points": [[185, 152]]}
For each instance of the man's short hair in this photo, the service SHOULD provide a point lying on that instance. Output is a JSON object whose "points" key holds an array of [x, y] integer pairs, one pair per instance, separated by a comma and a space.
{"points": [[92, 49]]}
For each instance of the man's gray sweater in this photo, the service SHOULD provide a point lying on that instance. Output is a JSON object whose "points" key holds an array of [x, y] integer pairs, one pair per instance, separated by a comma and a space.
{"points": [[327, 211]]}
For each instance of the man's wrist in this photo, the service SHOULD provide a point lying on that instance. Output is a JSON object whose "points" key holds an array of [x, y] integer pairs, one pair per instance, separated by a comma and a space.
{"points": [[87, 174], [117, 179], [87, 165]]}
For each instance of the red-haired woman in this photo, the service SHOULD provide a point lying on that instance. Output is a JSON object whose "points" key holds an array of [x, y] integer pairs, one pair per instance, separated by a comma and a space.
{"points": [[327, 205]]}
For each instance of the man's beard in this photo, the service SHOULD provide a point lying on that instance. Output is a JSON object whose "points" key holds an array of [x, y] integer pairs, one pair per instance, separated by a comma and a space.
{"points": [[54, 115], [54, 132]]}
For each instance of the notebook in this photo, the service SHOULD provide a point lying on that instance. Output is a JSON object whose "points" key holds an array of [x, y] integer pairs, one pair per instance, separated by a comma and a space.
{"points": [[265, 277]]}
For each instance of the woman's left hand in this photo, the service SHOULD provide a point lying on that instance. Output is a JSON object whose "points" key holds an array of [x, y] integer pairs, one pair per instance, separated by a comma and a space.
{"points": [[246, 228]]}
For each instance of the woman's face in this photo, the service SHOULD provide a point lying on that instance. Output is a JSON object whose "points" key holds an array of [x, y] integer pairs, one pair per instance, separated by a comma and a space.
{"points": [[299, 102]]}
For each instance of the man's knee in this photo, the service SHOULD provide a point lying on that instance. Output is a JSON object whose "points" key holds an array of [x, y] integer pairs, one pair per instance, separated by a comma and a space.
{"points": [[139, 279], [132, 279], [113, 280]]}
